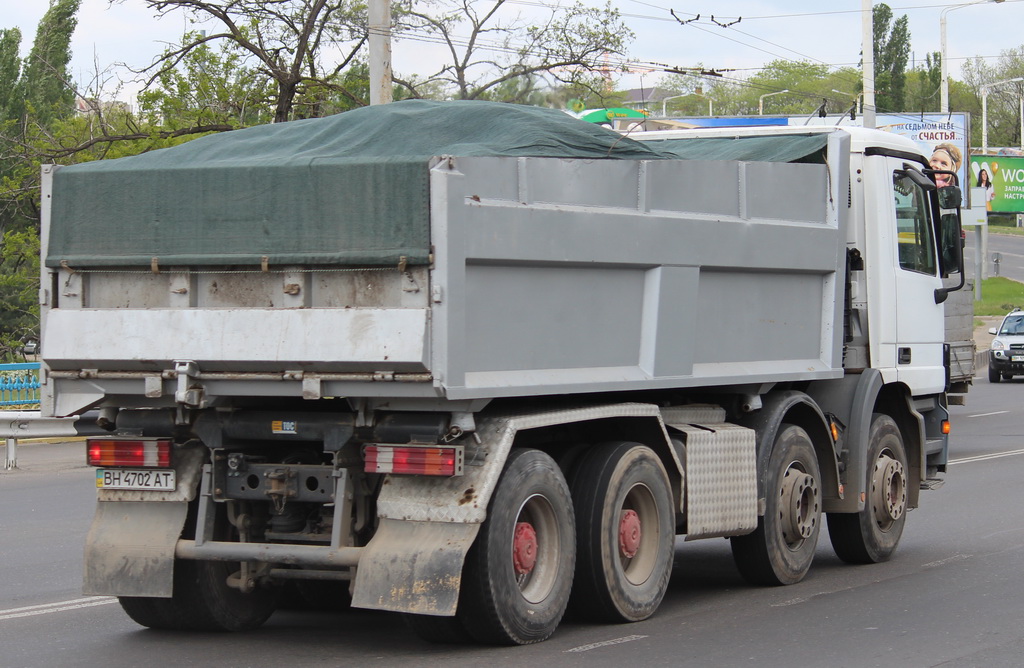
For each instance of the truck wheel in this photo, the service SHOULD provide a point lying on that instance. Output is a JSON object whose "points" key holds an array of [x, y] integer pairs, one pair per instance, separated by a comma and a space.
{"points": [[780, 550], [625, 533], [202, 601], [872, 535], [518, 573], [438, 630], [993, 375]]}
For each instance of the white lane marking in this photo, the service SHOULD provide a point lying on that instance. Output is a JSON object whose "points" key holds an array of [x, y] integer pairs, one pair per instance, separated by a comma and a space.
{"points": [[987, 414], [983, 458], [606, 643], [60, 606], [949, 560]]}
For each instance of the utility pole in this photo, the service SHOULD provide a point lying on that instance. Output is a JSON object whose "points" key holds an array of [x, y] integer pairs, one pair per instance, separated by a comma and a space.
{"points": [[379, 15], [868, 47]]}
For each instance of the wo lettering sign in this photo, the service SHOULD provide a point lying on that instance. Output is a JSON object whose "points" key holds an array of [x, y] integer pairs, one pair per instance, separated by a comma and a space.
{"points": [[1002, 176]]}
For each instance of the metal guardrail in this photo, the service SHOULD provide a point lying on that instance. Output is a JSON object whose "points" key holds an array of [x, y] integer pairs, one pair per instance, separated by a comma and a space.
{"points": [[19, 384], [15, 425]]}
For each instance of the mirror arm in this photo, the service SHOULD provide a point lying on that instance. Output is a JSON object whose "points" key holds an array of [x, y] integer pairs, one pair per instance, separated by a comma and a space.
{"points": [[942, 293]]}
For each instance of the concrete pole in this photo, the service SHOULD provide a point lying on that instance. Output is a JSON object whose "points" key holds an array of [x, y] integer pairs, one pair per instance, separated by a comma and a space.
{"points": [[944, 87], [984, 120], [868, 46], [379, 15]]}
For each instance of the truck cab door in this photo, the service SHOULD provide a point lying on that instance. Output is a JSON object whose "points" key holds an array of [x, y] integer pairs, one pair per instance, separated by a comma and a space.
{"points": [[908, 336]]}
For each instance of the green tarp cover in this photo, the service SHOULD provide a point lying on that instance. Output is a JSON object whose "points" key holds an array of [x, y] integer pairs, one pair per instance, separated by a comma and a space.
{"points": [[774, 148], [349, 189]]}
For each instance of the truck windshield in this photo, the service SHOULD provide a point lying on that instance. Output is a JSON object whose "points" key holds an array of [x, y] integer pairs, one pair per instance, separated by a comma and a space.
{"points": [[913, 229]]}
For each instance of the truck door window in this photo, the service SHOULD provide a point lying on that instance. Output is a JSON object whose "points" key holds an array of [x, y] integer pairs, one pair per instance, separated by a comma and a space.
{"points": [[913, 229]]}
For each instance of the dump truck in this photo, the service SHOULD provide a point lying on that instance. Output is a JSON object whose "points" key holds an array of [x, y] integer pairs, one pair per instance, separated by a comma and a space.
{"points": [[481, 364]]}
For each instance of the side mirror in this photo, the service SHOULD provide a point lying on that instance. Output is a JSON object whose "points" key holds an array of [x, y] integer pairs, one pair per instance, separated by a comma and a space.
{"points": [[917, 177], [950, 197]]}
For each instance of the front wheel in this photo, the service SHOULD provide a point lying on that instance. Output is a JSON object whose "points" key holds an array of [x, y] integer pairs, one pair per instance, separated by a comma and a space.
{"points": [[872, 535], [780, 550], [993, 375], [625, 533], [518, 574]]}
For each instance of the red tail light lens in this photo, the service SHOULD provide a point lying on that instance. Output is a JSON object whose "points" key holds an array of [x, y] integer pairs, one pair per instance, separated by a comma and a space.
{"points": [[148, 452], [414, 459]]}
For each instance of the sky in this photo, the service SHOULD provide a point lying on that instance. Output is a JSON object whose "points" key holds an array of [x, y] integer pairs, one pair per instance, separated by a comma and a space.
{"points": [[829, 33]]}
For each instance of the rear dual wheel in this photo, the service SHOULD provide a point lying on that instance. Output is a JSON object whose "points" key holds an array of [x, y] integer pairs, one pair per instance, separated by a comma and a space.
{"points": [[518, 574], [202, 601], [625, 528]]}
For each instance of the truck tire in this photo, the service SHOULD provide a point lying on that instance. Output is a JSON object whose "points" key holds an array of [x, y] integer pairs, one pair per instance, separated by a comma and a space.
{"points": [[781, 549], [625, 533], [872, 535], [319, 595], [438, 630], [518, 573], [202, 601]]}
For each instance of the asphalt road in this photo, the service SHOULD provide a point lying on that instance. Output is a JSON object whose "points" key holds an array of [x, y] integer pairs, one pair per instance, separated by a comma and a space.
{"points": [[1011, 250], [952, 596]]}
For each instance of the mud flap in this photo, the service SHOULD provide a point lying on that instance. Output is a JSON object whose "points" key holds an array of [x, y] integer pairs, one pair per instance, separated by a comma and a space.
{"points": [[413, 567], [130, 548]]}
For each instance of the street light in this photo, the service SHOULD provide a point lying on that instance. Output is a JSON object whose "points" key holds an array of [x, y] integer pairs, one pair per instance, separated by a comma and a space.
{"points": [[984, 112], [760, 100], [856, 99], [710, 102], [944, 86], [664, 101]]}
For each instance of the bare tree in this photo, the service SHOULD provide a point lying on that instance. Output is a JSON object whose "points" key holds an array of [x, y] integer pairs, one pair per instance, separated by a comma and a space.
{"points": [[490, 49]]}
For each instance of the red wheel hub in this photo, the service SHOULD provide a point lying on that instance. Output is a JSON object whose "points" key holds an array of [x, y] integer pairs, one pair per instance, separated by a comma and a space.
{"points": [[629, 533], [524, 548]]}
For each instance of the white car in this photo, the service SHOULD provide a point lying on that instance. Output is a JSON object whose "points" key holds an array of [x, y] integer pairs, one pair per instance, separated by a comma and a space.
{"points": [[1006, 356]]}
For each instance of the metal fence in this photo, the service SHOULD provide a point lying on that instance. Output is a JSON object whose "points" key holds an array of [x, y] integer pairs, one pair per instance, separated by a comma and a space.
{"points": [[19, 384]]}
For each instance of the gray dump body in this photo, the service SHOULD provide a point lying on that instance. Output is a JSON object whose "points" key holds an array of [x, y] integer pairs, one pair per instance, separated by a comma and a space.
{"points": [[522, 276]]}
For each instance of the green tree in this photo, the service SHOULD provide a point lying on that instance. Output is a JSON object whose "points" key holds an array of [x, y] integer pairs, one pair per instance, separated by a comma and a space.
{"points": [[208, 88], [33, 95], [298, 45], [10, 73], [922, 85], [19, 285], [1003, 100], [46, 82], [785, 87], [892, 53]]}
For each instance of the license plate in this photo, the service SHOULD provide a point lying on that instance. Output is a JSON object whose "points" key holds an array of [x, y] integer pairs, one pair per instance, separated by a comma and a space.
{"points": [[156, 480], [1017, 358]]}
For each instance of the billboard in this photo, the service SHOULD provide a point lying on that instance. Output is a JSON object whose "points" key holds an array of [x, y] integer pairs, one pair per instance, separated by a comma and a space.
{"points": [[1005, 176], [930, 131]]}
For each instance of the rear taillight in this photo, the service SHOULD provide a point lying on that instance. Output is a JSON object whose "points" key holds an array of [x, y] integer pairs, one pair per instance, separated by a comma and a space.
{"points": [[149, 452], [414, 459]]}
